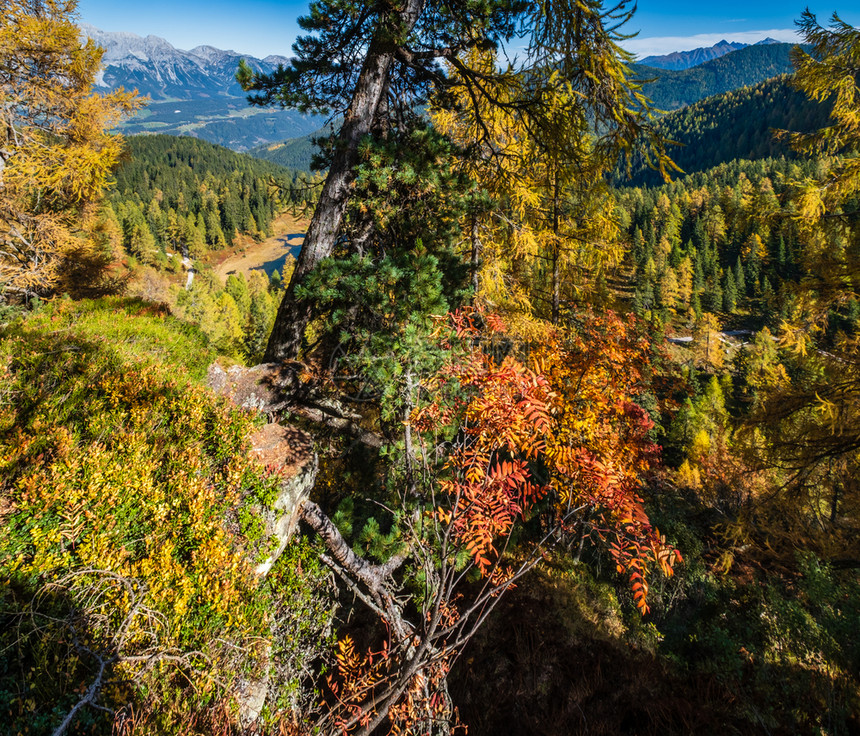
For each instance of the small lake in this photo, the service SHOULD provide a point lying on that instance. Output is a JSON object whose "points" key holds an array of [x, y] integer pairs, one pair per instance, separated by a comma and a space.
{"points": [[266, 257], [290, 249]]}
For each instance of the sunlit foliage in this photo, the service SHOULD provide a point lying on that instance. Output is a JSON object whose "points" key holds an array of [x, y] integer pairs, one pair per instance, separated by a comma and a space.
{"points": [[55, 150]]}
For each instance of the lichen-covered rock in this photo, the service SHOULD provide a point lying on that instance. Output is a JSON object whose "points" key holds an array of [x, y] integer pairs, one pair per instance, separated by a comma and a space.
{"points": [[282, 519], [251, 697], [281, 447], [267, 387], [287, 450]]}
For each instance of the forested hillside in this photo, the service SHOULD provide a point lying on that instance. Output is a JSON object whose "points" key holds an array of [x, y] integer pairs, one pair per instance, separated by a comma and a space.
{"points": [[737, 125], [178, 202], [182, 195], [506, 449], [671, 90], [714, 242], [295, 153]]}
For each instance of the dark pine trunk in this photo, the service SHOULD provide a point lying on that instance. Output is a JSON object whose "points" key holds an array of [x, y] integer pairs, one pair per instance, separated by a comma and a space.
{"points": [[294, 313]]}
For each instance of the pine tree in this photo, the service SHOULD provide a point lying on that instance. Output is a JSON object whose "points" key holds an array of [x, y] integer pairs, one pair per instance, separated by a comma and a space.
{"points": [[137, 238], [388, 47], [237, 288], [697, 305], [698, 275]]}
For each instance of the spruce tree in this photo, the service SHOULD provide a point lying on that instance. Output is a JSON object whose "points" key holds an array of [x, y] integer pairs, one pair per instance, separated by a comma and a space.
{"points": [[740, 280], [698, 275], [730, 294], [712, 298]]}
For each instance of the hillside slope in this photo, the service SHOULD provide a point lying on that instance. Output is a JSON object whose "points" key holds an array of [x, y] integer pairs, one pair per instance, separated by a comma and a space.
{"points": [[672, 90], [295, 153], [737, 124], [182, 189], [131, 528]]}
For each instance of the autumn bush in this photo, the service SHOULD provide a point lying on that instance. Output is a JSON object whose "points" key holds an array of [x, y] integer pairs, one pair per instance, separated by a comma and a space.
{"points": [[125, 559]]}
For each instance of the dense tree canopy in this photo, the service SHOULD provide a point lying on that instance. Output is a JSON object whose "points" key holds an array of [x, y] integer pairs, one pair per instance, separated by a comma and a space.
{"points": [[376, 64], [452, 447]]}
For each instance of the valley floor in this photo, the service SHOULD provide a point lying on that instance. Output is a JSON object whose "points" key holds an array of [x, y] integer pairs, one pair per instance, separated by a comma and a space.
{"points": [[289, 233]]}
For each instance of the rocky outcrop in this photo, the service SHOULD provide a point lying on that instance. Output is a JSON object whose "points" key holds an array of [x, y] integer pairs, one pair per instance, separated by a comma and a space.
{"points": [[287, 450], [281, 447], [155, 67], [276, 445], [276, 389], [284, 393]]}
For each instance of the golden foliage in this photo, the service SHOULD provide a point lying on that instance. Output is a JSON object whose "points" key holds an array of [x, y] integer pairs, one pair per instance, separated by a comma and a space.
{"points": [[55, 151], [553, 231]]}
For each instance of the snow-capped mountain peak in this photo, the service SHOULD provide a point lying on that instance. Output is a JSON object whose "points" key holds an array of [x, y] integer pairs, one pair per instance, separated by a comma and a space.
{"points": [[155, 67]]}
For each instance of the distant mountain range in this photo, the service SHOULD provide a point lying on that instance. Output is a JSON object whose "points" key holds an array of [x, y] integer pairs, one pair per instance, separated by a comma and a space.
{"points": [[193, 92], [154, 67], [673, 89], [686, 59]]}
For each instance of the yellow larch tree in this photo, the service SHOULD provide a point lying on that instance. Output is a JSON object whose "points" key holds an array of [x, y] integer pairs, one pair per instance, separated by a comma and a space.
{"points": [[551, 233], [55, 149]]}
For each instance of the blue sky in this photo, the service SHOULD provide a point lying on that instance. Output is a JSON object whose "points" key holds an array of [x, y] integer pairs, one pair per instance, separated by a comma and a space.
{"points": [[262, 27]]}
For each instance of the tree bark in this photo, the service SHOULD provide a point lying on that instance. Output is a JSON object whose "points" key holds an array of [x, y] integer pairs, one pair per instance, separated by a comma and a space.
{"points": [[295, 312]]}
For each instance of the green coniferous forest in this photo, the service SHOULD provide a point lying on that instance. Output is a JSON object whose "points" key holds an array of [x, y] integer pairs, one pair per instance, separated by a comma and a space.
{"points": [[294, 153], [174, 190], [670, 90], [179, 198], [515, 445], [740, 124]]}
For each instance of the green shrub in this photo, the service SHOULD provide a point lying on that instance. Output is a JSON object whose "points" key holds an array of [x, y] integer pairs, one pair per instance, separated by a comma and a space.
{"points": [[120, 473]]}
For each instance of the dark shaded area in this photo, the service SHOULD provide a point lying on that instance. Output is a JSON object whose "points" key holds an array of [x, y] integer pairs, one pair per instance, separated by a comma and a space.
{"points": [[540, 667], [556, 659]]}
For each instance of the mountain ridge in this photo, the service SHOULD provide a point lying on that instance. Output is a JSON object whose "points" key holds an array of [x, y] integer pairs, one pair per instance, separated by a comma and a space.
{"points": [[669, 91], [679, 60], [155, 67], [193, 93], [673, 89]]}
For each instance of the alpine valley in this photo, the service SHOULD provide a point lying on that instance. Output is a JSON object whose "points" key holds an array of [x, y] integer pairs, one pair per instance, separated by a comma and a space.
{"points": [[534, 409], [193, 92]]}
